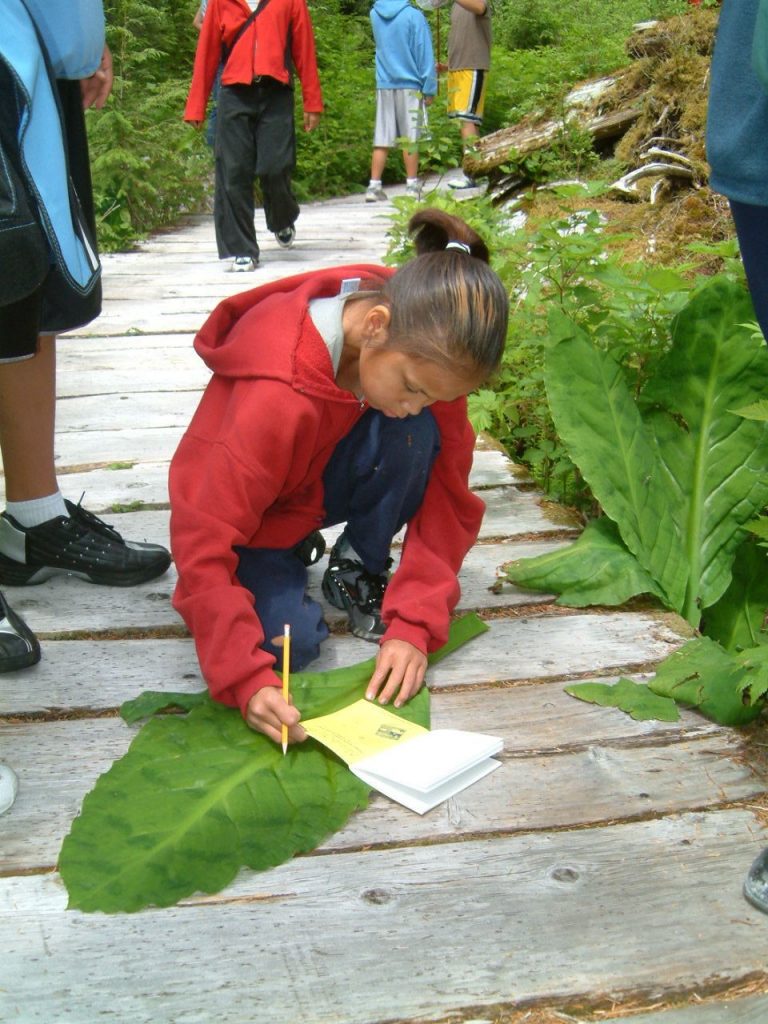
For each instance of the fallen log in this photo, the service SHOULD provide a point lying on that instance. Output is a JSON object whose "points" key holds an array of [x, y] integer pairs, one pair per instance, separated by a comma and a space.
{"points": [[517, 141]]}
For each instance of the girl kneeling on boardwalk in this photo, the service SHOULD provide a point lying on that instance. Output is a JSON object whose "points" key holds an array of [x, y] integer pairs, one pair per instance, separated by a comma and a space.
{"points": [[337, 396]]}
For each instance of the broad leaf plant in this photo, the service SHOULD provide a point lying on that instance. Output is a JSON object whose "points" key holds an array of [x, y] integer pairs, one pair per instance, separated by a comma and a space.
{"points": [[681, 475]]}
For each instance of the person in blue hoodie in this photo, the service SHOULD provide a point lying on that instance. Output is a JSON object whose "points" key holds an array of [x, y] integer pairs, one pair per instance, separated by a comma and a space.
{"points": [[406, 83]]}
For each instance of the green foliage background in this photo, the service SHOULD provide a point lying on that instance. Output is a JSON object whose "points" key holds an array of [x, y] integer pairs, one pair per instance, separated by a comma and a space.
{"points": [[150, 168]]}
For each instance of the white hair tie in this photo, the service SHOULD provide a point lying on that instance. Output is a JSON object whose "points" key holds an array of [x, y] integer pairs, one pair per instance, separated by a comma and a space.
{"points": [[460, 246]]}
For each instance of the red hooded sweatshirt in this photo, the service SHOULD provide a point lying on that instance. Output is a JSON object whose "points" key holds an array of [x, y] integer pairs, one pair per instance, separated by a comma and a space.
{"points": [[249, 470], [282, 30]]}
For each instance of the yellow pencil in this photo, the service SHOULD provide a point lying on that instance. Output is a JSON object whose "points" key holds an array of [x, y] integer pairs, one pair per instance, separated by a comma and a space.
{"points": [[286, 677]]}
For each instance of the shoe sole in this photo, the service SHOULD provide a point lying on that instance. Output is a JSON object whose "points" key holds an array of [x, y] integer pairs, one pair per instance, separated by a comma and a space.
{"points": [[12, 574]]}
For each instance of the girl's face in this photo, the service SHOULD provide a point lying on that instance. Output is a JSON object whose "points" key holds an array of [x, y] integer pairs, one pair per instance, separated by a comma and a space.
{"points": [[400, 385]]}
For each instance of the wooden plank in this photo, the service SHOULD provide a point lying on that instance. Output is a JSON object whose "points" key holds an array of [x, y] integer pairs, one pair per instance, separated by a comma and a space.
{"points": [[508, 514], [601, 783], [404, 933], [101, 346], [749, 1010], [146, 479], [95, 675], [105, 412], [66, 604], [170, 370]]}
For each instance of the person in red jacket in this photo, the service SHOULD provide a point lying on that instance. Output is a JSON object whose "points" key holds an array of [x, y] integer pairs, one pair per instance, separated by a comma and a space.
{"points": [[257, 44], [337, 396]]}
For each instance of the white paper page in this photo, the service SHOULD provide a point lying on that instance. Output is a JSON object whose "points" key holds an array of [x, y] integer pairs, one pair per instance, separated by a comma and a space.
{"points": [[423, 802], [431, 759]]}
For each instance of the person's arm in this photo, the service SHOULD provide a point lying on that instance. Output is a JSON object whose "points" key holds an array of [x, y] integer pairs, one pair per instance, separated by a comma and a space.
{"points": [[207, 57], [478, 7], [305, 60], [219, 493], [424, 591], [424, 56]]}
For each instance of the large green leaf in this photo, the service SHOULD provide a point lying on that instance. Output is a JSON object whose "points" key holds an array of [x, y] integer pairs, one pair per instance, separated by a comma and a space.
{"points": [[736, 620], [198, 796], [726, 688], [636, 699], [598, 419], [595, 569], [715, 462]]}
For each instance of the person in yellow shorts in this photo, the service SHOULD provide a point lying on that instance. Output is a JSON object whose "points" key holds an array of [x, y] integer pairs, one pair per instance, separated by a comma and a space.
{"points": [[469, 60]]}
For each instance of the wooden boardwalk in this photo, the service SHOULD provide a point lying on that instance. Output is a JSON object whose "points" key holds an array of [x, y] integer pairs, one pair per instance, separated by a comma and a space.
{"points": [[596, 875]]}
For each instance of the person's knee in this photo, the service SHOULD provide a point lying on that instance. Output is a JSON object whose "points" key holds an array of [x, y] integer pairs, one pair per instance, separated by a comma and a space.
{"points": [[278, 581], [415, 436]]}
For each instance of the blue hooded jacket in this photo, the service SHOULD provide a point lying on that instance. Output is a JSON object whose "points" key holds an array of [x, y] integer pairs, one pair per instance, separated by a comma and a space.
{"points": [[404, 56]]}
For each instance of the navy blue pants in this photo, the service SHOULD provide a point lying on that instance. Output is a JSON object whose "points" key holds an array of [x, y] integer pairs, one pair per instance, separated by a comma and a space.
{"points": [[752, 230], [375, 483]]}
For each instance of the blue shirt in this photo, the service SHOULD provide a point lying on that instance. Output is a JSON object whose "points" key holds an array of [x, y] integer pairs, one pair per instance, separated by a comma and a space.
{"points": [[404, 57], [73, 33]]}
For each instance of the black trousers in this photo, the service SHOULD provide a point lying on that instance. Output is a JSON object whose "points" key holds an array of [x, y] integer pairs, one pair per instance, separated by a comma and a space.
{"points": [[255, 136]]}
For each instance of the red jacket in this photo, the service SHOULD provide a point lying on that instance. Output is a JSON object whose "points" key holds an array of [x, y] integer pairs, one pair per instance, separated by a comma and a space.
{"points": [[283, 27], [248, 471]]}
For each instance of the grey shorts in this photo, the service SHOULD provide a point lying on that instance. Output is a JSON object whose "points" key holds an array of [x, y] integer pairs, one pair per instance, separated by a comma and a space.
{"points": [[400, 114]]}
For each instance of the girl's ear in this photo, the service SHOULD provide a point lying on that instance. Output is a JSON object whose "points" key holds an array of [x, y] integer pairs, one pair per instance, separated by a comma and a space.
{"points": [[377, 321]]}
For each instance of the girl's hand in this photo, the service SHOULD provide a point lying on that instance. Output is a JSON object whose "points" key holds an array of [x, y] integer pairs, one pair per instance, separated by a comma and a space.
{"points": [[400, 668], [267, 711]]}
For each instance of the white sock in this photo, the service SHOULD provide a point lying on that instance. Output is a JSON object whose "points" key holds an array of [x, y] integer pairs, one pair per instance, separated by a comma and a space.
{"points": [[411, 181], [38, 510], [374, 183]]}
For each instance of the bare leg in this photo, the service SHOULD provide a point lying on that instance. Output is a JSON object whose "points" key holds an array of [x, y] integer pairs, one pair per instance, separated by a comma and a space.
{"points": [[469, 132], [378, 162], [27, 420], [411, 161]]}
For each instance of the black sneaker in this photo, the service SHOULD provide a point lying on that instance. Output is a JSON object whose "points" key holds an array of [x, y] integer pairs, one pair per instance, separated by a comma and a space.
{"points": [[79, 544], [348, 585], [285, 237], [18, 644]]}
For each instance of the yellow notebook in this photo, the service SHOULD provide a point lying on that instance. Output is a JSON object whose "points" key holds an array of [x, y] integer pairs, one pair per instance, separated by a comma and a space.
{"points": [[416, 767]]}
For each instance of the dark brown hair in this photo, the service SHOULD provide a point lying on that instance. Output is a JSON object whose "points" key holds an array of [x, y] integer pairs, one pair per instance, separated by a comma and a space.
{"points": [[447, 305]]}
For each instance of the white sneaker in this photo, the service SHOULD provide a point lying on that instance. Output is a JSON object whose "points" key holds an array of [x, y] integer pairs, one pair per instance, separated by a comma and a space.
{"points": [[242, 264], [374, 194], [463, 182], [414, 191], [9, 787]]}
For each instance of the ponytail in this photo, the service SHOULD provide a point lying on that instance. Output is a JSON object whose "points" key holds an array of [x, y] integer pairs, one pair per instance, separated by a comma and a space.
{"points": [[447, 305]]}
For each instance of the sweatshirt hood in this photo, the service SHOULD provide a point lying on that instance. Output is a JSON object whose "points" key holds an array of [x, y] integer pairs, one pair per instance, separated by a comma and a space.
{"points": [[389, 9], [267, 332]]}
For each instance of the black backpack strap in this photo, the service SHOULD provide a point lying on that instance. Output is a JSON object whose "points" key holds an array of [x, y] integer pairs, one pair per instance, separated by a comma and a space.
{"points": [[227, 50]]}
